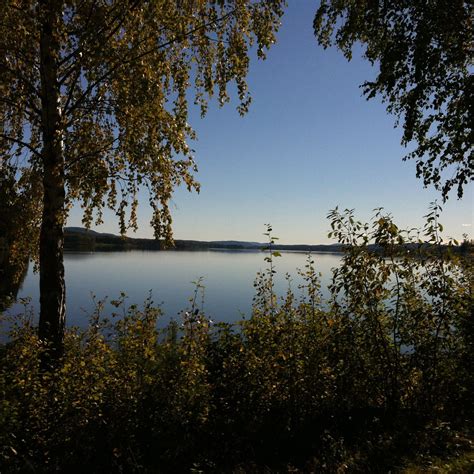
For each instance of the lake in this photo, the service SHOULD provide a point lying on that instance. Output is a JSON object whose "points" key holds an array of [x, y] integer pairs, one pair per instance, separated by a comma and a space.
{"points": [[227, 275]]}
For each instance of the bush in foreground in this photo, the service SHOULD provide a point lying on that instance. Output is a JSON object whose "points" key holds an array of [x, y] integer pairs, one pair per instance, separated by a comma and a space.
{"points": [[378, 373]]}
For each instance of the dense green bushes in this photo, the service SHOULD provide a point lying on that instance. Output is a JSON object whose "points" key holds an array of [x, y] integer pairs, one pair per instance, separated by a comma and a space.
{"points": [[379, 371]]}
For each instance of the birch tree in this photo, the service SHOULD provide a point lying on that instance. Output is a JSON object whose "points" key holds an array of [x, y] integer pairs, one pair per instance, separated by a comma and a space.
{"points": [[94, 100]]}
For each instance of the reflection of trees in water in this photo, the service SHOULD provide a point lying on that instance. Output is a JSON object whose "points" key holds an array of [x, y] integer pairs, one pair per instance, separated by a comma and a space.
{"points": [[12, 276]]}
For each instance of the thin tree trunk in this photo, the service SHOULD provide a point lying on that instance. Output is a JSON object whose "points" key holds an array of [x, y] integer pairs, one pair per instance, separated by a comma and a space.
{"points": [[52, 287]]}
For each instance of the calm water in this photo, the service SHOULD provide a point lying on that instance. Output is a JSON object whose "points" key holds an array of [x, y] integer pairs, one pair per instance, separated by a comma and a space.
{"points": [[228, 278]]}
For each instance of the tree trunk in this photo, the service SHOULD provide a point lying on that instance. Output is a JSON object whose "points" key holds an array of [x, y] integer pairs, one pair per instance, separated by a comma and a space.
{"points": [[52, 287]]}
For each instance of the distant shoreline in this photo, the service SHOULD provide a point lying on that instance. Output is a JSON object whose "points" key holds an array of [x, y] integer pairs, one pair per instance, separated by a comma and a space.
{"points": [[71, 250], [80, 239]]}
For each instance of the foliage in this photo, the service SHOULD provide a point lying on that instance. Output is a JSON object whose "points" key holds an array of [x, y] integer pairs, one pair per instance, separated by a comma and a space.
{"points": [[423, 52], [94, 101], [377, 373], [19, 218], [19, 215], [123, 70]]}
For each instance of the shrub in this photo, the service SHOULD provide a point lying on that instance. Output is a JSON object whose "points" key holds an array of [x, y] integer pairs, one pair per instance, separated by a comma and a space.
{"points": [[379, 370]]}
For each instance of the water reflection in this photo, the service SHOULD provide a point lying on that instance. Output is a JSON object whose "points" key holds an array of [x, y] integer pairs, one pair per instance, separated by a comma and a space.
{"points": [[228, 278]]}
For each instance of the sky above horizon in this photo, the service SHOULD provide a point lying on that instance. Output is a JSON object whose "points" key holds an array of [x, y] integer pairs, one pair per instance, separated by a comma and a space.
{"points": [[309, 143]]}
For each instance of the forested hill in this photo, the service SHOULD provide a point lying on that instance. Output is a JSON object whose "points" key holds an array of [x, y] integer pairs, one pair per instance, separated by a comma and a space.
{"points": [[78, 238]]}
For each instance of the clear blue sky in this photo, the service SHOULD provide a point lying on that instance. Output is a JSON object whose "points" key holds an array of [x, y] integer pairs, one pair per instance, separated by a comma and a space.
{"points": [[310, 142]]}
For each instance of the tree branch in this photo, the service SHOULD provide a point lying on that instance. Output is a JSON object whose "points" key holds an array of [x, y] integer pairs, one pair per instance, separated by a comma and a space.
{"points": [[108, 147], [12, 103], [115, 68], [30, 86], [101, 30], [21, 143]]}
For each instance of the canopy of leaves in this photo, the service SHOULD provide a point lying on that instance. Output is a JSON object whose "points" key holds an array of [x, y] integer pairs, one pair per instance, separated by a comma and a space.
{"points": [[424, 53], [19, 224], [19, 218], [124, 72]]}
